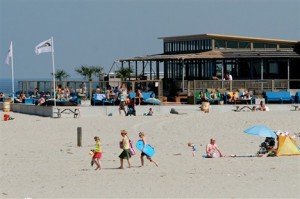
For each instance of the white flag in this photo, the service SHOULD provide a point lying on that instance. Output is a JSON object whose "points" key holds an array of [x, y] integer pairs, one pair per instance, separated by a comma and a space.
{"points": [[44, 47], [9, 54]]}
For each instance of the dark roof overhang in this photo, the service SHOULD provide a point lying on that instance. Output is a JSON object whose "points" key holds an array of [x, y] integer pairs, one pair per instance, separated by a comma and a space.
{"points": [[216, 55]]}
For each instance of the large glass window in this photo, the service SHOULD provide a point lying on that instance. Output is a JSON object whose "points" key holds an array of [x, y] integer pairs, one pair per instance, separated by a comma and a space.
{"points": [[232, 44], [271, 45], [204, 44], [197, 45], [244, 44], [200, 45], [264, 45], [273, 68], [193, 45], [285, 46], [258, 45], [209, 44], [220, 44], [219, 66]]}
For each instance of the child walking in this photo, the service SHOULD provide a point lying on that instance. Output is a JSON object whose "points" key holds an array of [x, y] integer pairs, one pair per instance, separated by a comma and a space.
{"points": [[143, 138], [97, 153], [194, 149]]}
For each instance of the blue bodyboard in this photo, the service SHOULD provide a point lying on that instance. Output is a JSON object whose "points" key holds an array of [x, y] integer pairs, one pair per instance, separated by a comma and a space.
{"points": [[148, 150]]}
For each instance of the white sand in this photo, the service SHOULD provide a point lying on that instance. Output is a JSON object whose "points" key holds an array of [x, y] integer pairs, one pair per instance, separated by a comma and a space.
{"points": [[40, 157]]}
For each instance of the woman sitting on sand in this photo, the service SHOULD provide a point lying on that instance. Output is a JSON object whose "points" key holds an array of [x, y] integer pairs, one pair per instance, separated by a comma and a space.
{"points": [[262, 107], [270, 147]]}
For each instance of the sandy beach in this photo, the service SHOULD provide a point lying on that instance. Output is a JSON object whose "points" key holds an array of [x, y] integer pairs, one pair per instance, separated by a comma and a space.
{"points": [[40, 157]]}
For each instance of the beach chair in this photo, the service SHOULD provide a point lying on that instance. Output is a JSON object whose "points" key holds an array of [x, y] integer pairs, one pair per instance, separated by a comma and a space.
{"points": [[97, 99], [106, 101]]}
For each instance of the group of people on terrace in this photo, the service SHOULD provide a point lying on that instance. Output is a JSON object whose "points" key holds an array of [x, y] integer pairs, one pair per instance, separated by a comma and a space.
{"points": [[119, 93], [40, 98], [62, 93], [227, 76], [244, 95], [125, 100], [214, 95]]}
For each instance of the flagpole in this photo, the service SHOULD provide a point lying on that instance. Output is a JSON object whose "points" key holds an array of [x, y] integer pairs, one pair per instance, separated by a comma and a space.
{"points": [[53, 71], [12, 72]]}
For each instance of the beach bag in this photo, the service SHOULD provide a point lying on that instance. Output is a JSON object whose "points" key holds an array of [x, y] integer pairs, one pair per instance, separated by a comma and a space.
{"points": [[121, 145], [132, 150]]}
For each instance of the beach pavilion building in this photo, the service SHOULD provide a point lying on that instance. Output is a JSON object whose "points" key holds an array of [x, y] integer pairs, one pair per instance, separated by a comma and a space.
{"points": [[256, 63]]}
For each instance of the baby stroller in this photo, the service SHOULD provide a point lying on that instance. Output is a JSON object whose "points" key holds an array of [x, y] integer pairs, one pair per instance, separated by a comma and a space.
{"points": [[131, 109], [266, 146]]}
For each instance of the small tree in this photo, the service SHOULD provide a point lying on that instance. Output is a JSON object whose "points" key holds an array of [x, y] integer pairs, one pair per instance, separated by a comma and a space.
{"points": [[87, 72], [98, 72], [124, 73], [60, 75]]}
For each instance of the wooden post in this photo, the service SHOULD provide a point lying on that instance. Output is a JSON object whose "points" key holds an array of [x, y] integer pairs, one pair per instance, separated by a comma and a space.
{"points": [[194, 91], [272, 85], [288, 74], [188, 88], [79, 136], [150, 70]]}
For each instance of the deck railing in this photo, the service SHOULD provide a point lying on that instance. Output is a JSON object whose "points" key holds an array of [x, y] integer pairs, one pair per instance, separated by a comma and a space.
{"points": [[28, 86], [262, 85]]}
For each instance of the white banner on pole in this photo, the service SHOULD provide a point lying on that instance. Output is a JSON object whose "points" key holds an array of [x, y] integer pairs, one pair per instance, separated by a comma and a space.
{"points": [[44, 47]]}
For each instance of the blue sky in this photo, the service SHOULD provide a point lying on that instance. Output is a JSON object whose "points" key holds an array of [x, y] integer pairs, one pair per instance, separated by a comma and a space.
{"points": [[98, 32]]}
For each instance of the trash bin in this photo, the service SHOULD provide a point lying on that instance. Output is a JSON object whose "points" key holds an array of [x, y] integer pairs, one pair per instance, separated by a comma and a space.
{"points": [[191, 100], [6, 106]]}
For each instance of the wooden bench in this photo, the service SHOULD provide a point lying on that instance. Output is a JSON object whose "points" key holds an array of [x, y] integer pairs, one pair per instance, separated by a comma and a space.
{"points": [[241, 108], [76, 112]]}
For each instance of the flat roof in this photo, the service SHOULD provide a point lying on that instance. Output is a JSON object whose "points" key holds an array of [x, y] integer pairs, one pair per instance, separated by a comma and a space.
{"points": [[221, 36]]}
